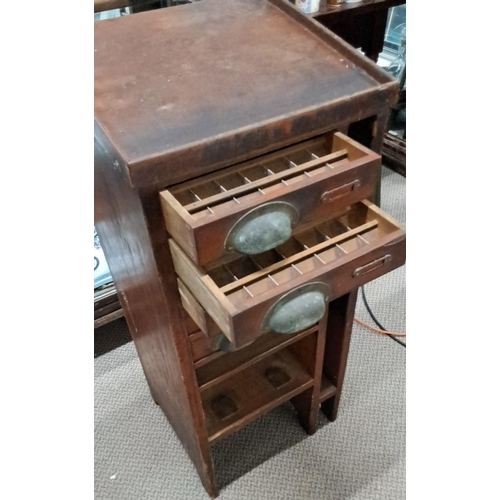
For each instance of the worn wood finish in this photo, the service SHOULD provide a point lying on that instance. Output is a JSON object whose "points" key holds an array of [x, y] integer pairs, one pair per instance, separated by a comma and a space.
{"points": [[199, 114], [201, 227], [340, 319], [135, 253], [367, 236]]}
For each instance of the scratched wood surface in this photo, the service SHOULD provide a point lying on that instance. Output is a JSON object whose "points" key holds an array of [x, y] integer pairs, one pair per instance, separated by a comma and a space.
{"points": [[233, 77]]}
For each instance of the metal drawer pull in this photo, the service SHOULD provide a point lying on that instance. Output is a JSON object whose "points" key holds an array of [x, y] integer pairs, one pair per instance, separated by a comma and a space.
{"points": [[298, 309], [335, 194], [222, 343], [372, 266], [262, 229]]}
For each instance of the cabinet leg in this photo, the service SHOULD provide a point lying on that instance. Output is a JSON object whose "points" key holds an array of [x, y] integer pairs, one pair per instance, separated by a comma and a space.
{"points": [[338, 336], [303, 403], [329, 408], [311, 351]]}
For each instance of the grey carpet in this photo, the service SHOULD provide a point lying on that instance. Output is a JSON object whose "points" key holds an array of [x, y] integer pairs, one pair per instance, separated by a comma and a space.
{"points": [[360, 456]]}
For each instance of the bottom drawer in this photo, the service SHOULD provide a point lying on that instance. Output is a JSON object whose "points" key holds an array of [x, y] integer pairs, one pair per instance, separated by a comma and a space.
{"points": [[286, 289]]}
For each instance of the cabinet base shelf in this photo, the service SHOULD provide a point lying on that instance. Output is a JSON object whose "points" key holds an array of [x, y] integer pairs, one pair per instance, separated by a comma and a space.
{"points": [[327, 389], [252, 392]]}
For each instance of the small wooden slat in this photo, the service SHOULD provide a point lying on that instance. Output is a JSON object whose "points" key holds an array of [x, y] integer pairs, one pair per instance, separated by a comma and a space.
{"points": [[103, 320], [208, 359], [234, 362], [109, 308], [327, 389], [298, 256], [252, 393], [201, 348], [266, 181]]}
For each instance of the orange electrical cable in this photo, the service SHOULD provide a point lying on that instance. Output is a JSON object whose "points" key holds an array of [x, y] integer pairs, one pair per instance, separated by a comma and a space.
{"points": [[397, 334]]}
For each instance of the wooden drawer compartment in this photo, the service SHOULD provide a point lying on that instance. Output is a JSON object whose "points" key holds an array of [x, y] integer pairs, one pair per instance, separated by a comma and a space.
{"points": [[341, 253], [298, 185]]}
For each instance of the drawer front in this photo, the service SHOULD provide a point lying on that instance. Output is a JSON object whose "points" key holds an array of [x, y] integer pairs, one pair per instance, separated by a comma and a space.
{"points": [[287, 288], [253, 207], [200, 317]]}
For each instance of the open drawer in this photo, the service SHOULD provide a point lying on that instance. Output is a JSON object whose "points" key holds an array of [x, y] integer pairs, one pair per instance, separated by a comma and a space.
{"points": [[252, 207], [286, 289]]}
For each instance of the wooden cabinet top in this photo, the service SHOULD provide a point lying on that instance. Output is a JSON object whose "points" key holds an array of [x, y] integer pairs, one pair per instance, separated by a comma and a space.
{"points": [[182, 91]]}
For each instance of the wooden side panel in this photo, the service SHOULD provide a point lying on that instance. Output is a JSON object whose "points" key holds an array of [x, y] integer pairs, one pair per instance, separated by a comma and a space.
{"points": [[135, 244]]}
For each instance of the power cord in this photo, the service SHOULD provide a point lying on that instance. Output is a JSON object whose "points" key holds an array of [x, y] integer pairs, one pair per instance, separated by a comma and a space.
{"points": [[377, 322]]}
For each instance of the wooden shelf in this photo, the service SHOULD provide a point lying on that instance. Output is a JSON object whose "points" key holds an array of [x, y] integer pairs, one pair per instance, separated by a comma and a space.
{"points": [[107, 306], [327, 389], [231, 363], [248, 394]]}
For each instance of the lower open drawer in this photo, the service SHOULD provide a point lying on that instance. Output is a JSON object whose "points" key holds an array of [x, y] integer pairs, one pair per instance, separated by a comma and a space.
{"points": [[286, 289]]}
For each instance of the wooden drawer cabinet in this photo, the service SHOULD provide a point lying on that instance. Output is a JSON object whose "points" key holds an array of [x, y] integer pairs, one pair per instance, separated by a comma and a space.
{"points": [[231, 203], [332, 256], [254, 206]]}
